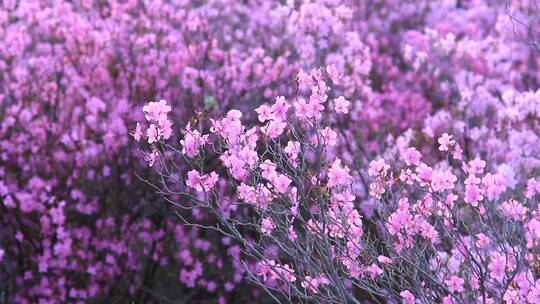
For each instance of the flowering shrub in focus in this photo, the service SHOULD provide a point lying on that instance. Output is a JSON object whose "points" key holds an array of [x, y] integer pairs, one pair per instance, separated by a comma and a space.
{"points": [[445, 227]]}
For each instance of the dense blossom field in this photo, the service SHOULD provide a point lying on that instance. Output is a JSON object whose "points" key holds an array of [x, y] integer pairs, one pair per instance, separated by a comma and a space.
{"points": [[263, 151]]}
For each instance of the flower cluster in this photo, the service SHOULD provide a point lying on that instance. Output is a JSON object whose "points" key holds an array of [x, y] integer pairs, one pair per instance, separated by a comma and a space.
{"points": [[439, 216], [331, 145]]}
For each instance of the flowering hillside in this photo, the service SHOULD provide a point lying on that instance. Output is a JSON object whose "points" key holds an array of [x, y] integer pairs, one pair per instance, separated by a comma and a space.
{"points": [[258, 151]]}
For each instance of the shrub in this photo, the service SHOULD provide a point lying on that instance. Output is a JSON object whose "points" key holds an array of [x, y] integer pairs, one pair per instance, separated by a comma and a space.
{"points": [[77, 223], [445, 228]]}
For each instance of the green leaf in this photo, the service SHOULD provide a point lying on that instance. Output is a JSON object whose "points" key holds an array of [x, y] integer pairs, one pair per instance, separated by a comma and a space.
{"points": [[210, 103]]}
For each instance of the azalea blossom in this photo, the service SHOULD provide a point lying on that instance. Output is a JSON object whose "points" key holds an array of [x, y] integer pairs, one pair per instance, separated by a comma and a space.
{"points": [[445, 141], [341, 105]]}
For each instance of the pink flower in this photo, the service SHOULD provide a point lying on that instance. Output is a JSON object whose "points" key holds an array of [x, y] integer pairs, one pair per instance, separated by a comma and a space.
{"points": [[450, 199], [341, 105], [194, 180], [458, 152], [448, 300], [384, 260], [494, 185], [267, 226], [514, 210], [248, 156], [234, 114], [476, 166], [374, 271], [268, 170], [497, 267], [308, 110], [475, 282], [407, 176], [199, 183], [482, 240], [192, 141], [156, 111], [304, 80], [292, 149], [315, 108], [302, 109], [265, 113], [400, 219], [333, 73], [312, 283], [281, 182], [138, 132], [152, 133], [533, 187], [534, 294], [427, 230], [472, 180], [445, 142], [455, 284], [165, 127], [473, 195], [274, 128], [378, 168], [280, 108], [151, 158], [407, 296], [291, 234], [210, 181], [412, 157], [329, 136], [354, 219], [338, 175], [425, 173], [442, 181], [533, 231], [522, 283], [247, 193]]}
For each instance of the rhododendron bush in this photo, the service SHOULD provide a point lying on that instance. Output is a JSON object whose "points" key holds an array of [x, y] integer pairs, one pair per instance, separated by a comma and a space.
{"points": [[256, 151]]}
